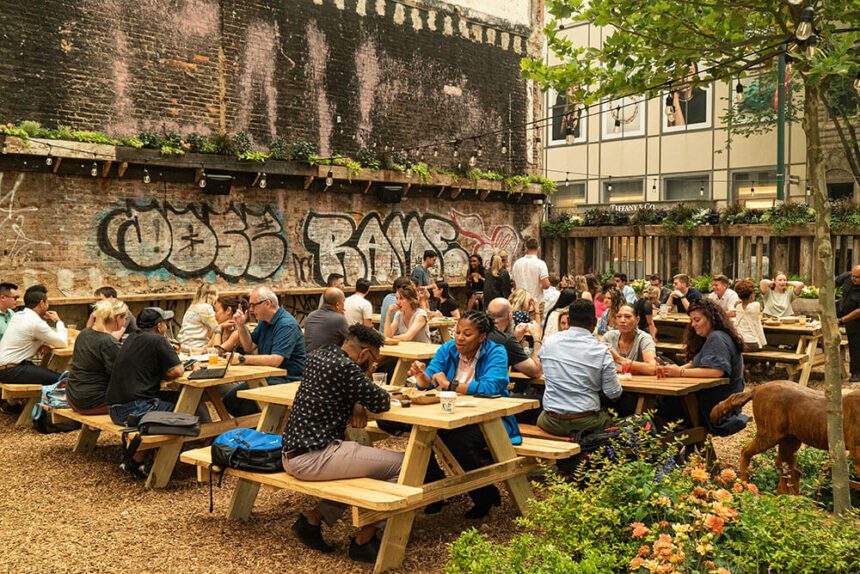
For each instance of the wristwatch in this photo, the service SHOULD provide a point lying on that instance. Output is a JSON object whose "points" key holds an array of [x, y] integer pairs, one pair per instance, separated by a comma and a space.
{"points": [[241, 359], [452, 386]]}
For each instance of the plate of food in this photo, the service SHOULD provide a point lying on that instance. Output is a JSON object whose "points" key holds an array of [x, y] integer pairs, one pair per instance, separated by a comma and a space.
{"points": [[789, 320], [390, 341]]}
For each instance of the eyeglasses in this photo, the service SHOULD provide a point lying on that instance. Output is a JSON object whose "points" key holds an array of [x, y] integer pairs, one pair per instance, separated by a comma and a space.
{"points": [[252, 305]]}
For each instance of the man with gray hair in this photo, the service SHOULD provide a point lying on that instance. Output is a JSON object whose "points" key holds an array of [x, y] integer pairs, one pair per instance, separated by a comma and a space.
{"points": [[327, 325], [499, 311], [277, 341]]}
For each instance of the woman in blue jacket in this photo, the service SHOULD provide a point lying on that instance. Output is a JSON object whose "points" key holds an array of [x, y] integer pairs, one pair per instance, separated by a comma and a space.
{"points": [[469, 364]]}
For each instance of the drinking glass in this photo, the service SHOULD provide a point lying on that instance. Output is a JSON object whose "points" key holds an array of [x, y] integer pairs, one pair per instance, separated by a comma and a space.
{"points": [[380, 378]]}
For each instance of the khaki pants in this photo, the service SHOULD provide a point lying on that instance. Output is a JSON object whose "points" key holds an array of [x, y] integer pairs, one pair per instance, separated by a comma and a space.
{"points": [[569, 428], [343, 459]]}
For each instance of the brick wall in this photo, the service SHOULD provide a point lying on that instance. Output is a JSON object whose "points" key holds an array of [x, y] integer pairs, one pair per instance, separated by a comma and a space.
{"points": [[400, 73], [75, 233]]}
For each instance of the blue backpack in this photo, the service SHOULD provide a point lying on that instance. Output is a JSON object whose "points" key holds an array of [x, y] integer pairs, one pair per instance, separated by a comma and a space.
{"points": [[53, 397], [244, 449]]}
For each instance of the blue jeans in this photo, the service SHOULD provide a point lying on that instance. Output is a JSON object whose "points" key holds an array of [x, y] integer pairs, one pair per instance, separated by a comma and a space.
{"points": [[241, 407], [120, 413]]}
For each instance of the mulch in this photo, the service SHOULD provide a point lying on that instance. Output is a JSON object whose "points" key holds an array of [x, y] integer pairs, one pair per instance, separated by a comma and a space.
{"points": [[61, 512]]}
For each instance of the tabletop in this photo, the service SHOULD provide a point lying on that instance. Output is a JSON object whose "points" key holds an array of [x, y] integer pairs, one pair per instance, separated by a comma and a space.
{"points": [[421, 415], [66, 351], [810, 330], [410, 350], [434, 321], [235, 374], [645, 384]]}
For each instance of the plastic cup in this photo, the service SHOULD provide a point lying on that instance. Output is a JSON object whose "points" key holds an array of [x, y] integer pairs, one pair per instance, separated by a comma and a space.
{"points": [[447, 399], [380, 378], [802, 321], [213, 356]]}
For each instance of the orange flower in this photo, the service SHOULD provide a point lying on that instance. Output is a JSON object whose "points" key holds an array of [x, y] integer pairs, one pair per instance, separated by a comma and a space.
{"points": [[728, 475], [644, 550], [723, 495], [710, 564], [751, 487], [724, 511], [714, 523], [720, 570], [700, 492], [699, 474], [738, 487], [664, 524], [636, 563], [640, 530]]}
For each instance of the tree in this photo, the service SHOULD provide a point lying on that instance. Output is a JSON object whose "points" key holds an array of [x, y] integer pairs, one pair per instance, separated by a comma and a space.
{"points": [[652, 50]]}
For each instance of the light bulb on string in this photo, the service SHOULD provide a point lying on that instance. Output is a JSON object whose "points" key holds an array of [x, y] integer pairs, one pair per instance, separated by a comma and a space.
{"points": [[701, 191], [408, 168], [5, 149], [566, 177], [473, 160], [422, 158], [202, 182], [812, 47], [94, 171], [795, 2], [480, 150], [263, 181], [49, 160], [739, 92], [569, 137], [609, 184], [456, 151], [804, 29], [329, 178], [504, 149], [654, 186], [146, 178], [670, 104], [752, 189], [435, 151], [617, 127]]}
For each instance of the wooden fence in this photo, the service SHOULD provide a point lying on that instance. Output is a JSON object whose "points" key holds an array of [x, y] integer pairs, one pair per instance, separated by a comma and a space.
{"points": [[751, 250]]}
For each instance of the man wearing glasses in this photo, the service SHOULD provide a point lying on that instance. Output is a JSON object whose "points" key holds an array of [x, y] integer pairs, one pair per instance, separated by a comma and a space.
{"points": [[849, 311], [8, 302], [277, 341]]}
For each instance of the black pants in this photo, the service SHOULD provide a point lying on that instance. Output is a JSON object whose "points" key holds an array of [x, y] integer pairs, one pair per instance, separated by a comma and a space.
{"points": [[854, 353], [27, 373], [469, 448]]}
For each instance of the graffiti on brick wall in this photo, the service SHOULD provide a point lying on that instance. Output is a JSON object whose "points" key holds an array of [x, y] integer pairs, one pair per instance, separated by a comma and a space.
{"points": [[238, 243], [381, 249], [17, 245]]}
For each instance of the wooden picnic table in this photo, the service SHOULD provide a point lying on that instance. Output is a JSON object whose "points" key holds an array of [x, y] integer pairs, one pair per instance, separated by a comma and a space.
{"points": [[803, 338], [426, 420], [406, 352], [191, 394]]}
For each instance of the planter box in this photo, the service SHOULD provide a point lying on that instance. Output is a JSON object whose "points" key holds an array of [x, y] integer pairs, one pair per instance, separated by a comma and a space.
{"points": [[808, 307]]}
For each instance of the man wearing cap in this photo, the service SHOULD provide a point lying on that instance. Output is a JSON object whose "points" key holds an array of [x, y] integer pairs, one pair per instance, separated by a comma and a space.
{"points": [[145, 359]]}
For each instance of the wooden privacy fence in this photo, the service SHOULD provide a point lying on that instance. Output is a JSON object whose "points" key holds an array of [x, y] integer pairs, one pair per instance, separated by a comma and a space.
{"points": [[741, 250]]}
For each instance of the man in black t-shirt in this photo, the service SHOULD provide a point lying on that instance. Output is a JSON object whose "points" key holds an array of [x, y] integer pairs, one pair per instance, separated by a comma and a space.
{"points": [[683, 295], [849, 315], [499, 311], [145, 359]]}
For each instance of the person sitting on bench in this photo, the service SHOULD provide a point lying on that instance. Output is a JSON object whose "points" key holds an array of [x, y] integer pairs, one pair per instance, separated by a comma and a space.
{"points": [[95, 352], [26, 334], [335, 388], [576, 368]]}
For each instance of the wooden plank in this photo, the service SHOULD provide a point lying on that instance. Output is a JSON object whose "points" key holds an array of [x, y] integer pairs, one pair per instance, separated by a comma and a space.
{"points": [[121, 168], [10, 392], [167, 455], [502, 450], [25, 418], [57, 162], [87, 439], [696, 256], [106, 168], [549, 449]]}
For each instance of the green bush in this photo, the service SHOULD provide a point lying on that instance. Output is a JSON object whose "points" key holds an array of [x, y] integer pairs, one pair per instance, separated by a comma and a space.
{"points": [[702, 283], [634, 506]]}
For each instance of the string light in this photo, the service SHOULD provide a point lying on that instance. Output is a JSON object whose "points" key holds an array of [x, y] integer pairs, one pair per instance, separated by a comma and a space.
{"points": [[473, 159], [795, 2], [329, 178], [701, 191], [480, 150], [670, 104], [408, 169], [146, 178], [263, 182], [739, 92], [49, 160], [456, 150], [5, 149], [812, 47], [609, 184], [94, 171], [654, 186], [435, 151], [566, 177], [570, 138], [202, 182], [804, 29]]}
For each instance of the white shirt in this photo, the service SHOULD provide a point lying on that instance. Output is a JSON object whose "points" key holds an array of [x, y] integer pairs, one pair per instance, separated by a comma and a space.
{"points": [[748, 323], [357, 308], [727, 301], [25, 334], [528, 272], [550, 296]]}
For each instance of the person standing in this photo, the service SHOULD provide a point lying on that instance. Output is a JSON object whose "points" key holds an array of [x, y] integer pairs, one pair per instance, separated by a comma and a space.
{"points": [[8, 302], [475, 283], [623, 285], [778, 296], [326, 325], [497, 282], [684, 295], [748, 317], [723, 295], [421, 274], [357, 309], [26, 334], [530, 273], [849, 311]]}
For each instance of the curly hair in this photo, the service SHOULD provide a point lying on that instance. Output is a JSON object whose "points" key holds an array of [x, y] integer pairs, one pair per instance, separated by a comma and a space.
{"points": [[483, 322], [613, 298], [744, 288], [364, 336], [719, 322]]}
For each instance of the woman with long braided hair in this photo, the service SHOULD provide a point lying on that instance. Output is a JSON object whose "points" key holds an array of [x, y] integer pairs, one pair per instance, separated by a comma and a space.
{"points": [[469, 364]]}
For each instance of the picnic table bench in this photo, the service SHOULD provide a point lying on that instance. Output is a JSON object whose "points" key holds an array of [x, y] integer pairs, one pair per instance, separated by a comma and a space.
{"points": [[31, 394], [509, 466], [191, 393]]}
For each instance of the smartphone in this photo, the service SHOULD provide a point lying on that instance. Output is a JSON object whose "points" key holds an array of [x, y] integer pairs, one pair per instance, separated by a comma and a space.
{"points": [[489, 396], [188, 364]]}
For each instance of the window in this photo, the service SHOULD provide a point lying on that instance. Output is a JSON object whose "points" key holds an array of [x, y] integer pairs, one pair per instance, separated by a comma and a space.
{"points": [[623, 190], [840, 190], [755, 189], [569, 196], [687, 188]]}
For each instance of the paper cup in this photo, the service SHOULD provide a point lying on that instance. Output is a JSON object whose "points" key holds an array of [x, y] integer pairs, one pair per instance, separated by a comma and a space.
{"points": [[447, 399]]}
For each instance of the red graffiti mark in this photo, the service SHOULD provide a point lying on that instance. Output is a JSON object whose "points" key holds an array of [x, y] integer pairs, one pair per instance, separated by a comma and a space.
{"points": [[502, 237]]}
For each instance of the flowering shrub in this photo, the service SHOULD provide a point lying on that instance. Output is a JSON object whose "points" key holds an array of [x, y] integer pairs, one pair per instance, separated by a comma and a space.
{"points": [[809, 292], [633, 508], [639, 285]]}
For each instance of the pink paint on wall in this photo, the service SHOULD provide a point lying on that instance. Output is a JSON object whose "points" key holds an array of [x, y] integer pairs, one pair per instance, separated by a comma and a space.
{"points": [[258, 76], [124, 122], [318, 54], [367, 70]]}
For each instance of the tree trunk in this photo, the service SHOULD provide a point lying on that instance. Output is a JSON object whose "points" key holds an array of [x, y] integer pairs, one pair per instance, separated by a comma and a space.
{"points": [[829, 324]]}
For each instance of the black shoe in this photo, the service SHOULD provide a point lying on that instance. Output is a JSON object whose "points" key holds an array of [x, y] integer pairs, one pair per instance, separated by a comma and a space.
{"points": [[481, 509], [366, 552], [854, 379], [135, 469], [11, 408], [310, 535], [435, 507]]}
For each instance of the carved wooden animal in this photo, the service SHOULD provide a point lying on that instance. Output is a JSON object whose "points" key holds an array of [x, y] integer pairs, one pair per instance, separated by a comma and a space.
{"points": [[788, 415]]}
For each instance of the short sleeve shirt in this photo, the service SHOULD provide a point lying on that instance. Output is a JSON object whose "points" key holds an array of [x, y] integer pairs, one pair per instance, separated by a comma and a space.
{"points": [[447, 307], [643, 308], [693, 295], [356, 309], [421, 275], [283, 337], [4, 320], [778, 304], [423, 336], [727, 301], [528, 272], [719, 352], [849, 302], [642, 343], [92, 364], [197, 324], [140, 365], [515, 351], [324, 327]]}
